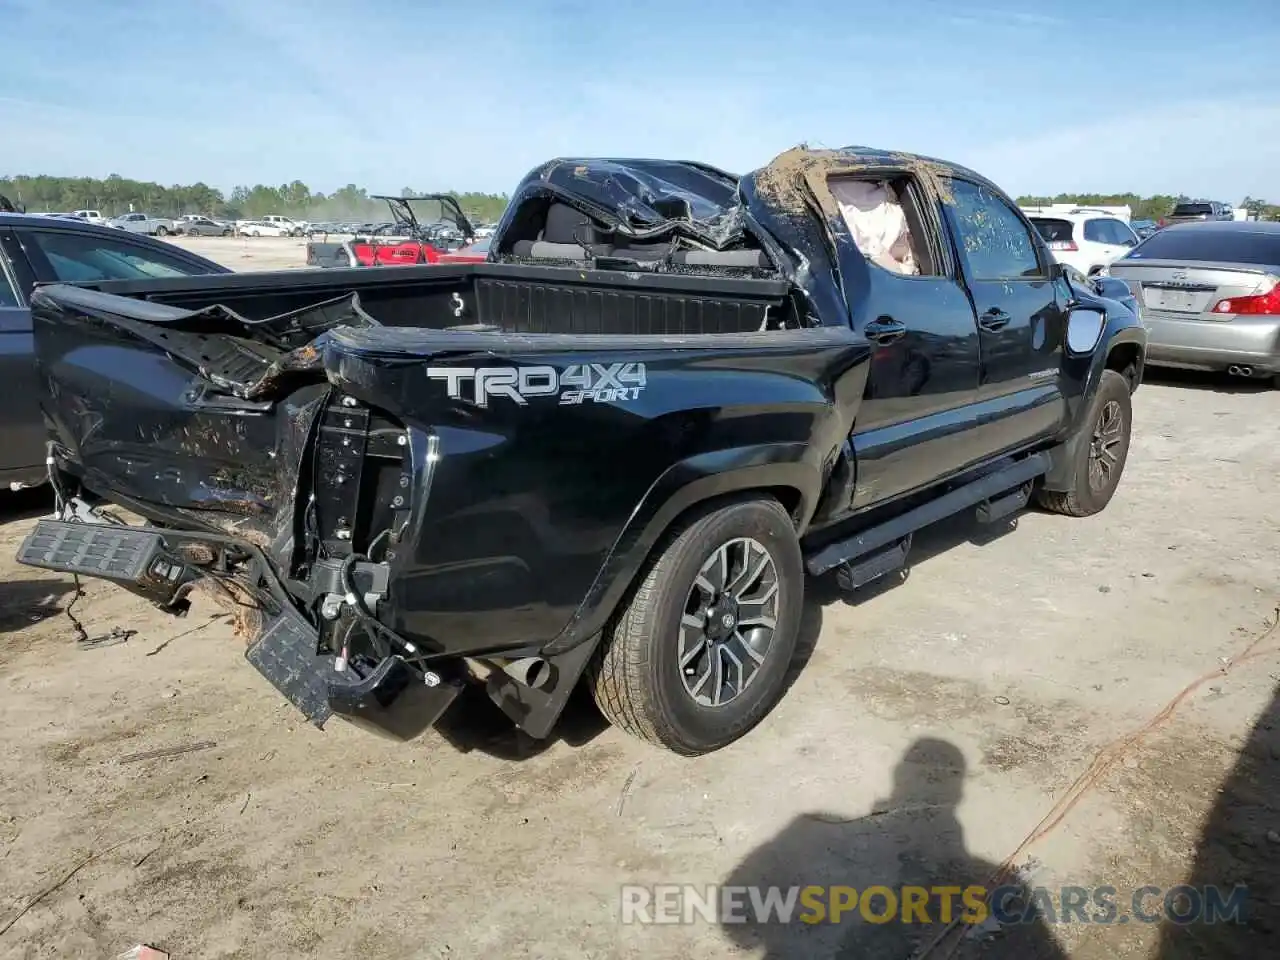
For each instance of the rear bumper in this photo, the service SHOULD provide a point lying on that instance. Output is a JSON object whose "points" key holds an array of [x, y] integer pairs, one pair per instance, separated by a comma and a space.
{"points": [[1213, 345], [389, 697]]}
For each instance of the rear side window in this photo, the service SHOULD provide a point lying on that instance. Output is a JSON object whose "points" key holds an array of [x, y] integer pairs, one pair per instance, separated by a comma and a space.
{"points": [[1098, 231], [1211, 246], [77, 259], [1053, 231], [994, 240], [1124, 234]]}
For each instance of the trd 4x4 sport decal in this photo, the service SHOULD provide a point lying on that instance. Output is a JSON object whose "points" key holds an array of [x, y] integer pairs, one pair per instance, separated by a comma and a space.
{"points": [[579, 383]]}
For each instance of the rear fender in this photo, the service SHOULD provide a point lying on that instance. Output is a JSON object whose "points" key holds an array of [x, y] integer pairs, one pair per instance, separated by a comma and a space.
{"points": [[783, 470]]}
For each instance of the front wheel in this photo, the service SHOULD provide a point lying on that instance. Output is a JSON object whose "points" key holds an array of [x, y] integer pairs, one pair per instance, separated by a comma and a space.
{"points": [[162, 232], [1100, 455], [700, 653]]}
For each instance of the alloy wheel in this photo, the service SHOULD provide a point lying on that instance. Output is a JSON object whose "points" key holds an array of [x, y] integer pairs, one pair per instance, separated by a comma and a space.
{"points": [[1105, 447], [729, 621]]}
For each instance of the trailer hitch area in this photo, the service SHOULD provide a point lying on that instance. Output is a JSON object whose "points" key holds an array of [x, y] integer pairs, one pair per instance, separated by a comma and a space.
{"points": [[392, 697]]}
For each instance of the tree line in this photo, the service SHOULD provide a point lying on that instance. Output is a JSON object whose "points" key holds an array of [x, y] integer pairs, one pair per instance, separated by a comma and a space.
{"points": [[1146, 208], [116, 195]]}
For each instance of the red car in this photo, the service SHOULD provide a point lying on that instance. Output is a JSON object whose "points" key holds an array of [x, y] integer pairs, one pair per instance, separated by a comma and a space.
{"points": [[407, 240], [477, 252]]}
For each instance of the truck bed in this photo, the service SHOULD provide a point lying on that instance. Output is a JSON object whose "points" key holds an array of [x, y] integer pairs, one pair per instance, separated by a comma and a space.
{"points": [[512, 298]]}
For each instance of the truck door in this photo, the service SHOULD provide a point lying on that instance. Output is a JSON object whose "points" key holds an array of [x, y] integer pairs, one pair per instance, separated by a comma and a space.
{"points": [[1021, 318], [22, 432], [906, 298]]}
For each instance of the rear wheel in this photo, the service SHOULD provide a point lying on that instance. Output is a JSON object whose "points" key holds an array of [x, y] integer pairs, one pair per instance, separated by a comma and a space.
{"points": [[699, 655], [1101, 456], [162, 231], [226, 233]]}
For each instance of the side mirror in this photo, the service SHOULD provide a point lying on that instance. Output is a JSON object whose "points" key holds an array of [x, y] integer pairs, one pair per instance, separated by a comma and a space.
{"points": [[1084, 328]]}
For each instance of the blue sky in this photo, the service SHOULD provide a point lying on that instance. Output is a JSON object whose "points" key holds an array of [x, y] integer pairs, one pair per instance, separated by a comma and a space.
{"points": [[1087, 95]]}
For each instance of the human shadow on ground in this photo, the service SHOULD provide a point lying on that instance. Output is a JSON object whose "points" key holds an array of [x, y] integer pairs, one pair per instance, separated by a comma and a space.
{"points": [[910, 839], [1239, 845]]}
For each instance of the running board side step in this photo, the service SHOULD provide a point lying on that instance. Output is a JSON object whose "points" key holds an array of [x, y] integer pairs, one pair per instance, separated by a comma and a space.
{"points": [[996, 494]]}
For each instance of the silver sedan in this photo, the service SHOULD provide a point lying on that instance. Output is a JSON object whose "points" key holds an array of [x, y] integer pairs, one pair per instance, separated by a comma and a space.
{"points": [[1210, 296]]}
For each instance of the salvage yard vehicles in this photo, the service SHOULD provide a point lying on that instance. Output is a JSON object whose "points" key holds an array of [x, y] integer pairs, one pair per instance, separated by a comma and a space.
{"points": [[260, 228], [421, 229], [1084, 239], [1199, 211], [611, 454], [291, 227], [1210, 296], [143, 223], [194, 225]]}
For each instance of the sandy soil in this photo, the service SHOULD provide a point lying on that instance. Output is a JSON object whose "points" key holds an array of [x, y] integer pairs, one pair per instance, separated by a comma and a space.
{"points": [[999, 668], [248, 253]]}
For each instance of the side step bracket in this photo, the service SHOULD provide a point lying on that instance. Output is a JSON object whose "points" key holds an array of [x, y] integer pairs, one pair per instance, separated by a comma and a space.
{"points": [[991, 490]]}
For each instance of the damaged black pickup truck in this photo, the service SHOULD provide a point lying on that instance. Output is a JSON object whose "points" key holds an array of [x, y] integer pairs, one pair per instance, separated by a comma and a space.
{"points": [[611, 454]]}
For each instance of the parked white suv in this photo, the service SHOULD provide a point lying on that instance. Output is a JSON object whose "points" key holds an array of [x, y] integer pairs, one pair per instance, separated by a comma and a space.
{"points": [[1084, 239], [292, 227]]}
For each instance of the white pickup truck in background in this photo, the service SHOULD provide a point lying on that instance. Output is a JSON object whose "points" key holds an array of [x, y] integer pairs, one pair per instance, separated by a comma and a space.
{"points": [[144, 223]]}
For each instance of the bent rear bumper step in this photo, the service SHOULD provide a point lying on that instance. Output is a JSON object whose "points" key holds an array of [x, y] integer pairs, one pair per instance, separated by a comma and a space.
{"points": [[393, 698], [93, 549]]}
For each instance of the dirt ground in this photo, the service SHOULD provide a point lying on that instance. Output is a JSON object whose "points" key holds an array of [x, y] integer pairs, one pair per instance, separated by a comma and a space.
{"points": [[931, 725], [248, 253]]}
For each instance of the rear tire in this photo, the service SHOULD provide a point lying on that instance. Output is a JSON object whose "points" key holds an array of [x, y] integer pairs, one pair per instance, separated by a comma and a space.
{"points": [[1101, 458], [699, 654], [226, 233], [161, 232]]}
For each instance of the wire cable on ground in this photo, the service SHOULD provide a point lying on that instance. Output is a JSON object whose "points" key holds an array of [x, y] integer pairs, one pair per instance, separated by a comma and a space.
{"points": [[1103, 762]]}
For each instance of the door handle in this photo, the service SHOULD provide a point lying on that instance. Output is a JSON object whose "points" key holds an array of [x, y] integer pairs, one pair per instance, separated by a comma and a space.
{"points": [[885, 330], [994, 319]]}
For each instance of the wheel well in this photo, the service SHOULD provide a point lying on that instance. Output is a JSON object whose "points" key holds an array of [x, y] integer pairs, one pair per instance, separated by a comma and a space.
{"points": [[788, 497], [1124, 359]]}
